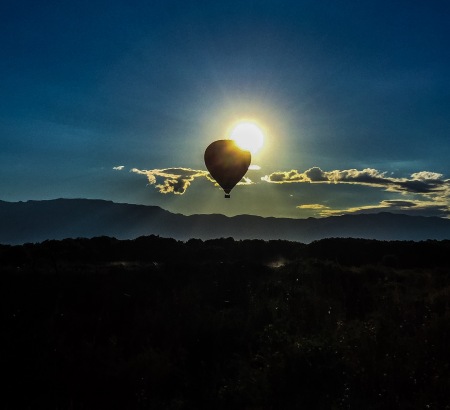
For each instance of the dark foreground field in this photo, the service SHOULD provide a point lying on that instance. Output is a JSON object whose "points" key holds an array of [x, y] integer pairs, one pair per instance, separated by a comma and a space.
{"points": [[159, 324]]}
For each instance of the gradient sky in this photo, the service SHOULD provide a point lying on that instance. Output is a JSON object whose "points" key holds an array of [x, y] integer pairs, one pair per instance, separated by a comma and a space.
{"points": [[118, 100]]}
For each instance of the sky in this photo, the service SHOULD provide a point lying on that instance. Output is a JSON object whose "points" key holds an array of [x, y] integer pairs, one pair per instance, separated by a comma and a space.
{"points": [[118, 100]]}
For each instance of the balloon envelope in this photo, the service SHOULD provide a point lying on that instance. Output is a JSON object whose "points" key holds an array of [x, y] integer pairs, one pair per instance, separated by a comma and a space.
{"points": [[227, 163]]}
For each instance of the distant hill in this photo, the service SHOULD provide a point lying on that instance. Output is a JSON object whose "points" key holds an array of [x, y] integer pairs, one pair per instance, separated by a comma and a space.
{"points": [[36, 221]]}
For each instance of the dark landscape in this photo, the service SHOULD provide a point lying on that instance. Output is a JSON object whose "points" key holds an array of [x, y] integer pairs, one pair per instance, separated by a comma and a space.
{"points": [[36, 221], [158, 323]]}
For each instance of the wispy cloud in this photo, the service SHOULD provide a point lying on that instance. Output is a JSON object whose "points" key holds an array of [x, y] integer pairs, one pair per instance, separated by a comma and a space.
{"points": [[173, 180], [413, 207], [316, 207], [119, 167], [245, 181]]}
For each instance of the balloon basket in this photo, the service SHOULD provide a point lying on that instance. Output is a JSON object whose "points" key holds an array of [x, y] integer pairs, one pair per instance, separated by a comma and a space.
{"points": [[227, 196]]}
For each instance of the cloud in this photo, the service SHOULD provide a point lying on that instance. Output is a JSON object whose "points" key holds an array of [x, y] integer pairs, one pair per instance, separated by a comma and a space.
{"points": [[315, 174], [412, 207], [245, 181], [177, 180], [282, 177], [173, 180], [420, 182], [426, 176], [254, 167], [315, 207], [175, 186], [119, 167]]}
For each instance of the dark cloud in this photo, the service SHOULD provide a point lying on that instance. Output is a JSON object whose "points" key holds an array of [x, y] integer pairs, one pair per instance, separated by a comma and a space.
{"points": [[315, 174], [399, 203], [422, 183]]}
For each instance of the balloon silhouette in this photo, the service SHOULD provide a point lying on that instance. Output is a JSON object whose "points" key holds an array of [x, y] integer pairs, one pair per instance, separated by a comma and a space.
{"points": [[227, 163]]}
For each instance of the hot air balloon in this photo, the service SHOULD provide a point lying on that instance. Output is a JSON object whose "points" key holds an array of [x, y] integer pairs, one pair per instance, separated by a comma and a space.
{"points": [[227, 163]]}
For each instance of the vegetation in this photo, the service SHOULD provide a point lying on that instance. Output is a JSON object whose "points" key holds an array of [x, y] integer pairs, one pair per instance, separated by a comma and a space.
{"points": [[155, 323]]}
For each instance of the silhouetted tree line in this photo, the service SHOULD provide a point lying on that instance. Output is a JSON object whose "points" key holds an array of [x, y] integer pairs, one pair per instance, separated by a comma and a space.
{"points": [[155, 323]]}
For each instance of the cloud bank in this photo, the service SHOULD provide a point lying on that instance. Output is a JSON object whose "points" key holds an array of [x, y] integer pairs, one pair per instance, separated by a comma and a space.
{"points": [[422, 193], [420, 182]]}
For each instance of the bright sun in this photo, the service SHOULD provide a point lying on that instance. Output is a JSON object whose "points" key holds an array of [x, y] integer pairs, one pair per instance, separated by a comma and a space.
{"points": [[248, 136]]}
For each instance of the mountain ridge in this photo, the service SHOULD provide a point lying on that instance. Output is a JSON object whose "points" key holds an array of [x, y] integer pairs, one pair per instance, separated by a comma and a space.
{"points": [[39, 220]]}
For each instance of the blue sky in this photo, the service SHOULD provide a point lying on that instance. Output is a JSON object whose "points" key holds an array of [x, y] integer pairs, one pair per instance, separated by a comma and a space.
{"points": [[118, 100]]}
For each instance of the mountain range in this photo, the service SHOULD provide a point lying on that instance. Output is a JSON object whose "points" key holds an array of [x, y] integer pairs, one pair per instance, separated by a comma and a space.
{"points": [[36, 221]]}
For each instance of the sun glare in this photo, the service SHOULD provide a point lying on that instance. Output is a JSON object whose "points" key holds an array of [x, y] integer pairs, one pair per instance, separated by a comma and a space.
{"points": [[248, 136]]}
